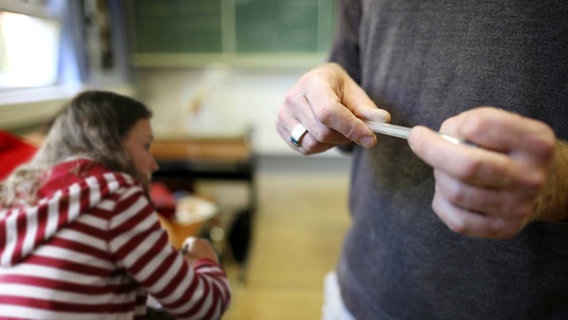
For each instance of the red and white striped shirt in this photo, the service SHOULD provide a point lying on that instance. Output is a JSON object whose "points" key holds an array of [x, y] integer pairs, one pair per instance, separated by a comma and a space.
{"points": [[92, 248]]}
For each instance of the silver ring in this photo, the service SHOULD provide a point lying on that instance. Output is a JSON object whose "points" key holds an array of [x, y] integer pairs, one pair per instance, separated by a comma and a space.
{"points": [[297, 134]]}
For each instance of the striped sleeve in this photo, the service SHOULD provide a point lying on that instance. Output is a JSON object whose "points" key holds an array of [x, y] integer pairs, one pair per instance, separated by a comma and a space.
{"points": [[141, 247], [24, 229]]}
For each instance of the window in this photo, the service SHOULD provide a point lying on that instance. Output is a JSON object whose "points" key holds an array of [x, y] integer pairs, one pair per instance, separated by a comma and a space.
{"points": [[29, 44], [29, 50], [52, 49]]}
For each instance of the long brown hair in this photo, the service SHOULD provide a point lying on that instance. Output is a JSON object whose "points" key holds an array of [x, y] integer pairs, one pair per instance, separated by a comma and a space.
{"points": [[94, 125]]}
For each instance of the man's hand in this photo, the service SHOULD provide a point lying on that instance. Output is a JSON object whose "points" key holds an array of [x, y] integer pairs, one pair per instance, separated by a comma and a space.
{"points": [[331, 106], [495, 189]]}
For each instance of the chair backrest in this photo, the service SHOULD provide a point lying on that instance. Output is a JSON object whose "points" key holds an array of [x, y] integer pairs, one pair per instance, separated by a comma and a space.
{"points": [[14, 151]]}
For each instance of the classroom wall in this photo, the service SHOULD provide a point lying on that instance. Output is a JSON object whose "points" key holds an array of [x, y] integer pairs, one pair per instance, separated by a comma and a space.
{"points": [[219, 101]]}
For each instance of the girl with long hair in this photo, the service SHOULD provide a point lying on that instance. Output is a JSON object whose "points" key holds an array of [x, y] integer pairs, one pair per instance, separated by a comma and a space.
{"points": [[79, 237]]}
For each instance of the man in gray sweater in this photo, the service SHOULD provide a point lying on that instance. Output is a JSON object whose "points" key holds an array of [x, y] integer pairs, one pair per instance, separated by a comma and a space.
{"points": [[442, 230]]}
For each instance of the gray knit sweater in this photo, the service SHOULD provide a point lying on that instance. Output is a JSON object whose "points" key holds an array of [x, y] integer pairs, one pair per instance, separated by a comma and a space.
{"points": [[424, 61]]}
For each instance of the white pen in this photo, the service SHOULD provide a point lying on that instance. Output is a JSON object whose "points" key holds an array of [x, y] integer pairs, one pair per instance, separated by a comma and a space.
{"points": [[401, 132]]}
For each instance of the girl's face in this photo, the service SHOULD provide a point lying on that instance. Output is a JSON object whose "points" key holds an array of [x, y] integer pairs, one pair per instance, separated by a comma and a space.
{"points": [[137, 144]]}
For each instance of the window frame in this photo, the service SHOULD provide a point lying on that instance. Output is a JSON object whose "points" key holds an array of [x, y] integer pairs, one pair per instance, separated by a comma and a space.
{"points": [[22, 109]]}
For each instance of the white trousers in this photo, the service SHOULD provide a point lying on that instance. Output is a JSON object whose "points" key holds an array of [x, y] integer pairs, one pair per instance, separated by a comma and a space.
{"points": [[333, 307]]}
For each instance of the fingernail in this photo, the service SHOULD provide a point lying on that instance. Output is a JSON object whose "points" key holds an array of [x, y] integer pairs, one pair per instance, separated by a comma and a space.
{"points": [[368, 141], [411, 138], [385, 116]]}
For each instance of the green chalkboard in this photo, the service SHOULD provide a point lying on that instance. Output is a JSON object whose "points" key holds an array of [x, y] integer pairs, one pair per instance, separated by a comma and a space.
{"points": [[279, 26], [236, 27], [176, 26]]}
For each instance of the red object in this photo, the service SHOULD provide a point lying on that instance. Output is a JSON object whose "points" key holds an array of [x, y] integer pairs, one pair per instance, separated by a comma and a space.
{"points": [[163, 200], [13, 152]]}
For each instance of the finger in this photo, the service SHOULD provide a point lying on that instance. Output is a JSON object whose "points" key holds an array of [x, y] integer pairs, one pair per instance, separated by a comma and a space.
{"points": [[338, 106], [506, 204], [476, 126], [308, 144], [331, 83], [467, 196], [335, 121], [503, 131], [322, 129], [475, 166], [288, 119], [354, 98], [471, 223], [367, 113]]}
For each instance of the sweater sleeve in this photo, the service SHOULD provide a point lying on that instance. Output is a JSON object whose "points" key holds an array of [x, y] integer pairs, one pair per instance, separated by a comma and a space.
{"points": [[345, 49], [141, 247]]}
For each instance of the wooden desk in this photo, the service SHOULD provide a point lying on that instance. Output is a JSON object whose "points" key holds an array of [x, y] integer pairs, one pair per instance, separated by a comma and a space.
{"points": [[206, 158], [230, 149], [182, 160]]}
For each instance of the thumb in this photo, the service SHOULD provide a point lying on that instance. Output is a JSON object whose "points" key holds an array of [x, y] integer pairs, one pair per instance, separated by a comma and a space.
{"points": [[372, 113]]}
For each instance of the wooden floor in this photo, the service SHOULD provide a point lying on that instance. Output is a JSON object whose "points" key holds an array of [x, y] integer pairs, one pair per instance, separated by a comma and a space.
{"points": [[299, 226]]}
